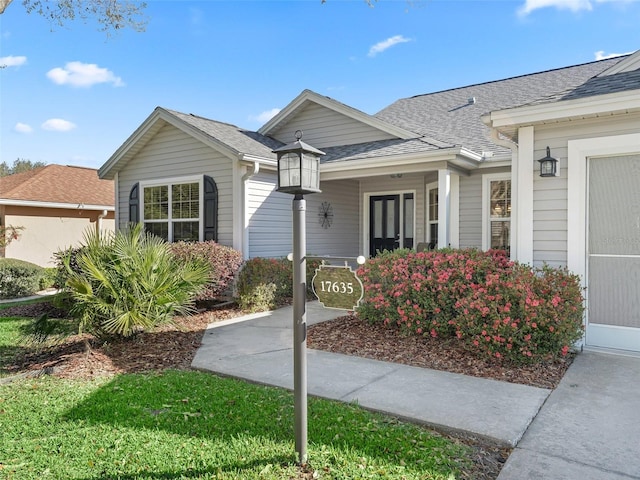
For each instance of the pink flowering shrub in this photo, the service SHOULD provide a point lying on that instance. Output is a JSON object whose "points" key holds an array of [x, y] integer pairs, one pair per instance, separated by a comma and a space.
{"points": [[224, 263], [494, 306]]}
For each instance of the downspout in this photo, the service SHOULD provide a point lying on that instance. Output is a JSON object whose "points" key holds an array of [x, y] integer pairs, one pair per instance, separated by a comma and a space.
{"points": [[99, 221], [513, 146], [254, 170]]}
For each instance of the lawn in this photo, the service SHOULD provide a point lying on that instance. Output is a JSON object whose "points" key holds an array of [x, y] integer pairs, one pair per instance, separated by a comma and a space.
{"points": [[187, 424]]}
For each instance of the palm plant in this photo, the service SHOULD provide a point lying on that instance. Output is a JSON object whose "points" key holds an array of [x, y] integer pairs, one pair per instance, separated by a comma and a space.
{"points": [[130, 281]]}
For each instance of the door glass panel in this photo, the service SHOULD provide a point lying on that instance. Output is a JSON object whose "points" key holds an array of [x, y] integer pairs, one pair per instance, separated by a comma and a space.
{"points": [[614, 291], [433, 204], [408, 221], [377, 219], [391, 213]]}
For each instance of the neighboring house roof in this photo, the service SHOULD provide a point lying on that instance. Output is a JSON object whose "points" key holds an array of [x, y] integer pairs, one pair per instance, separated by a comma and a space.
{"points": [[58, 186], [454, 116]]}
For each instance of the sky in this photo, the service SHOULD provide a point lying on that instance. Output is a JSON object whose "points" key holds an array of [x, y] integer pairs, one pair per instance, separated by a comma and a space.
{"points": [[73, 95]]}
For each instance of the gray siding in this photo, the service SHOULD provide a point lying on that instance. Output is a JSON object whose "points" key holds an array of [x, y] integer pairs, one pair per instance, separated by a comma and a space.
{"points": [[270, 219], [471, 211], [323, 127], [550, 194], [170, 154]]}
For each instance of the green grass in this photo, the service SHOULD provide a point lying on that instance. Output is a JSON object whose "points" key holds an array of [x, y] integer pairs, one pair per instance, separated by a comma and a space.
{"points": [[11, 329], [196, 425]]}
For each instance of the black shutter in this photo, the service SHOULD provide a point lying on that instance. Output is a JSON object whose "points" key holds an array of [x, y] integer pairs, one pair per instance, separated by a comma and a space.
{"points": [[134, 204], [210, 209]]}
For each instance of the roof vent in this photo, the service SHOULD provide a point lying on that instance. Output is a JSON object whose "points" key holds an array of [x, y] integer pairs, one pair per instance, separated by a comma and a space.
{"points": [[471, 100]]}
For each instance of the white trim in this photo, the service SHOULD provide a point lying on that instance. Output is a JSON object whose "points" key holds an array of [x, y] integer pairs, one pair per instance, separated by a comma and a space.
{"points": [[116, 186], [366, 215], [160, 182], [613, 336], [606, 104], [428, 188], [444, 208], [39, 204], [522, 198], [578, 152], [454, 220], [629, 64], [486, 191]]}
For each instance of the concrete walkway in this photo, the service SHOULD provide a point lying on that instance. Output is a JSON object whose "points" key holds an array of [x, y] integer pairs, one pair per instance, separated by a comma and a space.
{"points": [[258, 348], [587, 429]]}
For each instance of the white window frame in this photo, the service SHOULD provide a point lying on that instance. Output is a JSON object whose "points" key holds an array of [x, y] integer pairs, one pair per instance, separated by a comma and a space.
{"points": [[430, 221], [169, 182], [486, 206]]}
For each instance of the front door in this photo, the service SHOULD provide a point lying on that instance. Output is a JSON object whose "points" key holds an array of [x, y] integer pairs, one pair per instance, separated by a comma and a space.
{"points": [[384, 223], [613, 253]]}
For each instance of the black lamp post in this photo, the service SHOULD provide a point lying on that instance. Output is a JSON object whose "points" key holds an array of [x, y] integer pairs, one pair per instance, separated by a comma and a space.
{"points": [[298, 174], [548, 165]]}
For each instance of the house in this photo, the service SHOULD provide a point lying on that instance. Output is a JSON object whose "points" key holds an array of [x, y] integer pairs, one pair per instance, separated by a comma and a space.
{"points": [[453, 168], [54, 205]]}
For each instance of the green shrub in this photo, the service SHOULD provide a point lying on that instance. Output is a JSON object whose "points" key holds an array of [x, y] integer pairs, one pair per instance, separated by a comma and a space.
{"points": [[494, 306], [48, 279], [131, 281], [19, 278], [224, 263], [266, 283]]}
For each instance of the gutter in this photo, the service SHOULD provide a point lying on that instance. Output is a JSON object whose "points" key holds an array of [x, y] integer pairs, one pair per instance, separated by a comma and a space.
{"points": [[253, 170], [99, 221]]}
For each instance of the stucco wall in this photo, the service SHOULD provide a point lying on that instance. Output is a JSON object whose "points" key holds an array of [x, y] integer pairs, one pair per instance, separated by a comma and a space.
{"points": [[48, 230]]}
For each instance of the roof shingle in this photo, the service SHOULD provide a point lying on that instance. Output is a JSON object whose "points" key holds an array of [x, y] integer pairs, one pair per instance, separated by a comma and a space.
{"points": [[58, 184]]}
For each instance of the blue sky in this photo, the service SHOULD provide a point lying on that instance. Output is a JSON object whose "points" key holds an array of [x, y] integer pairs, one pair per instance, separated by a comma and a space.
{"points": [[72, 95]]}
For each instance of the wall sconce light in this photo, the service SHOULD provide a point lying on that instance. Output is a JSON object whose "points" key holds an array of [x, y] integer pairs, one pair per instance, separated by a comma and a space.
{"points": [[548, 165]]}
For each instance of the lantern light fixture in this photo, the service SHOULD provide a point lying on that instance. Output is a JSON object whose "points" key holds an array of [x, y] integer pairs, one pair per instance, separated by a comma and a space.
{"points": [[548, 165], [298, 167]]}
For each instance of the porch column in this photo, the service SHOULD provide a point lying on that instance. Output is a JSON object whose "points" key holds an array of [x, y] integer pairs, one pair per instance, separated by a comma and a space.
{"points": [[522, 198], [448, 209]]}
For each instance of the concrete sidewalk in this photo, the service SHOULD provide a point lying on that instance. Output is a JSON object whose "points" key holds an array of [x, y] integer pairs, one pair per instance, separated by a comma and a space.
{"points": [[589, 428], [258, 348]]}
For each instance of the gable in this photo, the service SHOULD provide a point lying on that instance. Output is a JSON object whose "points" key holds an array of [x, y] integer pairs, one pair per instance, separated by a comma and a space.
{"points": [[324, 128], [628, 64]]}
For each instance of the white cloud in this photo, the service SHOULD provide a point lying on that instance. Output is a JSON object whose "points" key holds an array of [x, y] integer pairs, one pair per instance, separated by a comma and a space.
{"points": [[23, 128], [58, 125], [573, 5], [12, 61], [265, 116], [78, 74], [600, 55], [385, 44]]}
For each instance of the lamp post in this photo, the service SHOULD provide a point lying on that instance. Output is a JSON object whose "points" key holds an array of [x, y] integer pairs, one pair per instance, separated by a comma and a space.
{"points": [[299, 174]]}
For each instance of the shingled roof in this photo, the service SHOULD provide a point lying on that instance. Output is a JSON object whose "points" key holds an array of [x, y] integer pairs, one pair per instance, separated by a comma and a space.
{"points": [[235, 138], [58, 184], [454, 116]]}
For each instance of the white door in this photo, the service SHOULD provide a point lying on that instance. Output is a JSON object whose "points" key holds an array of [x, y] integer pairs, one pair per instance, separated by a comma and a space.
{"points": [[613, 253]]}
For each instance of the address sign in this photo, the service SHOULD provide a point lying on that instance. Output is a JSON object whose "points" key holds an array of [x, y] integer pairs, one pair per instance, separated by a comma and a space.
{"points": [[337, 287]]}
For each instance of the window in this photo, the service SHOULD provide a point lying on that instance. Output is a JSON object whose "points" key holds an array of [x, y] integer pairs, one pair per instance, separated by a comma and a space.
{"points": [[496, 194], [432, 215], [172, 211], [178, 209]]}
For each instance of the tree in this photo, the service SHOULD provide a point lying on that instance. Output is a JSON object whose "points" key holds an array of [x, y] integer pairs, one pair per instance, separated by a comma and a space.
{"points": [[19, 165], [111, 15]]}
